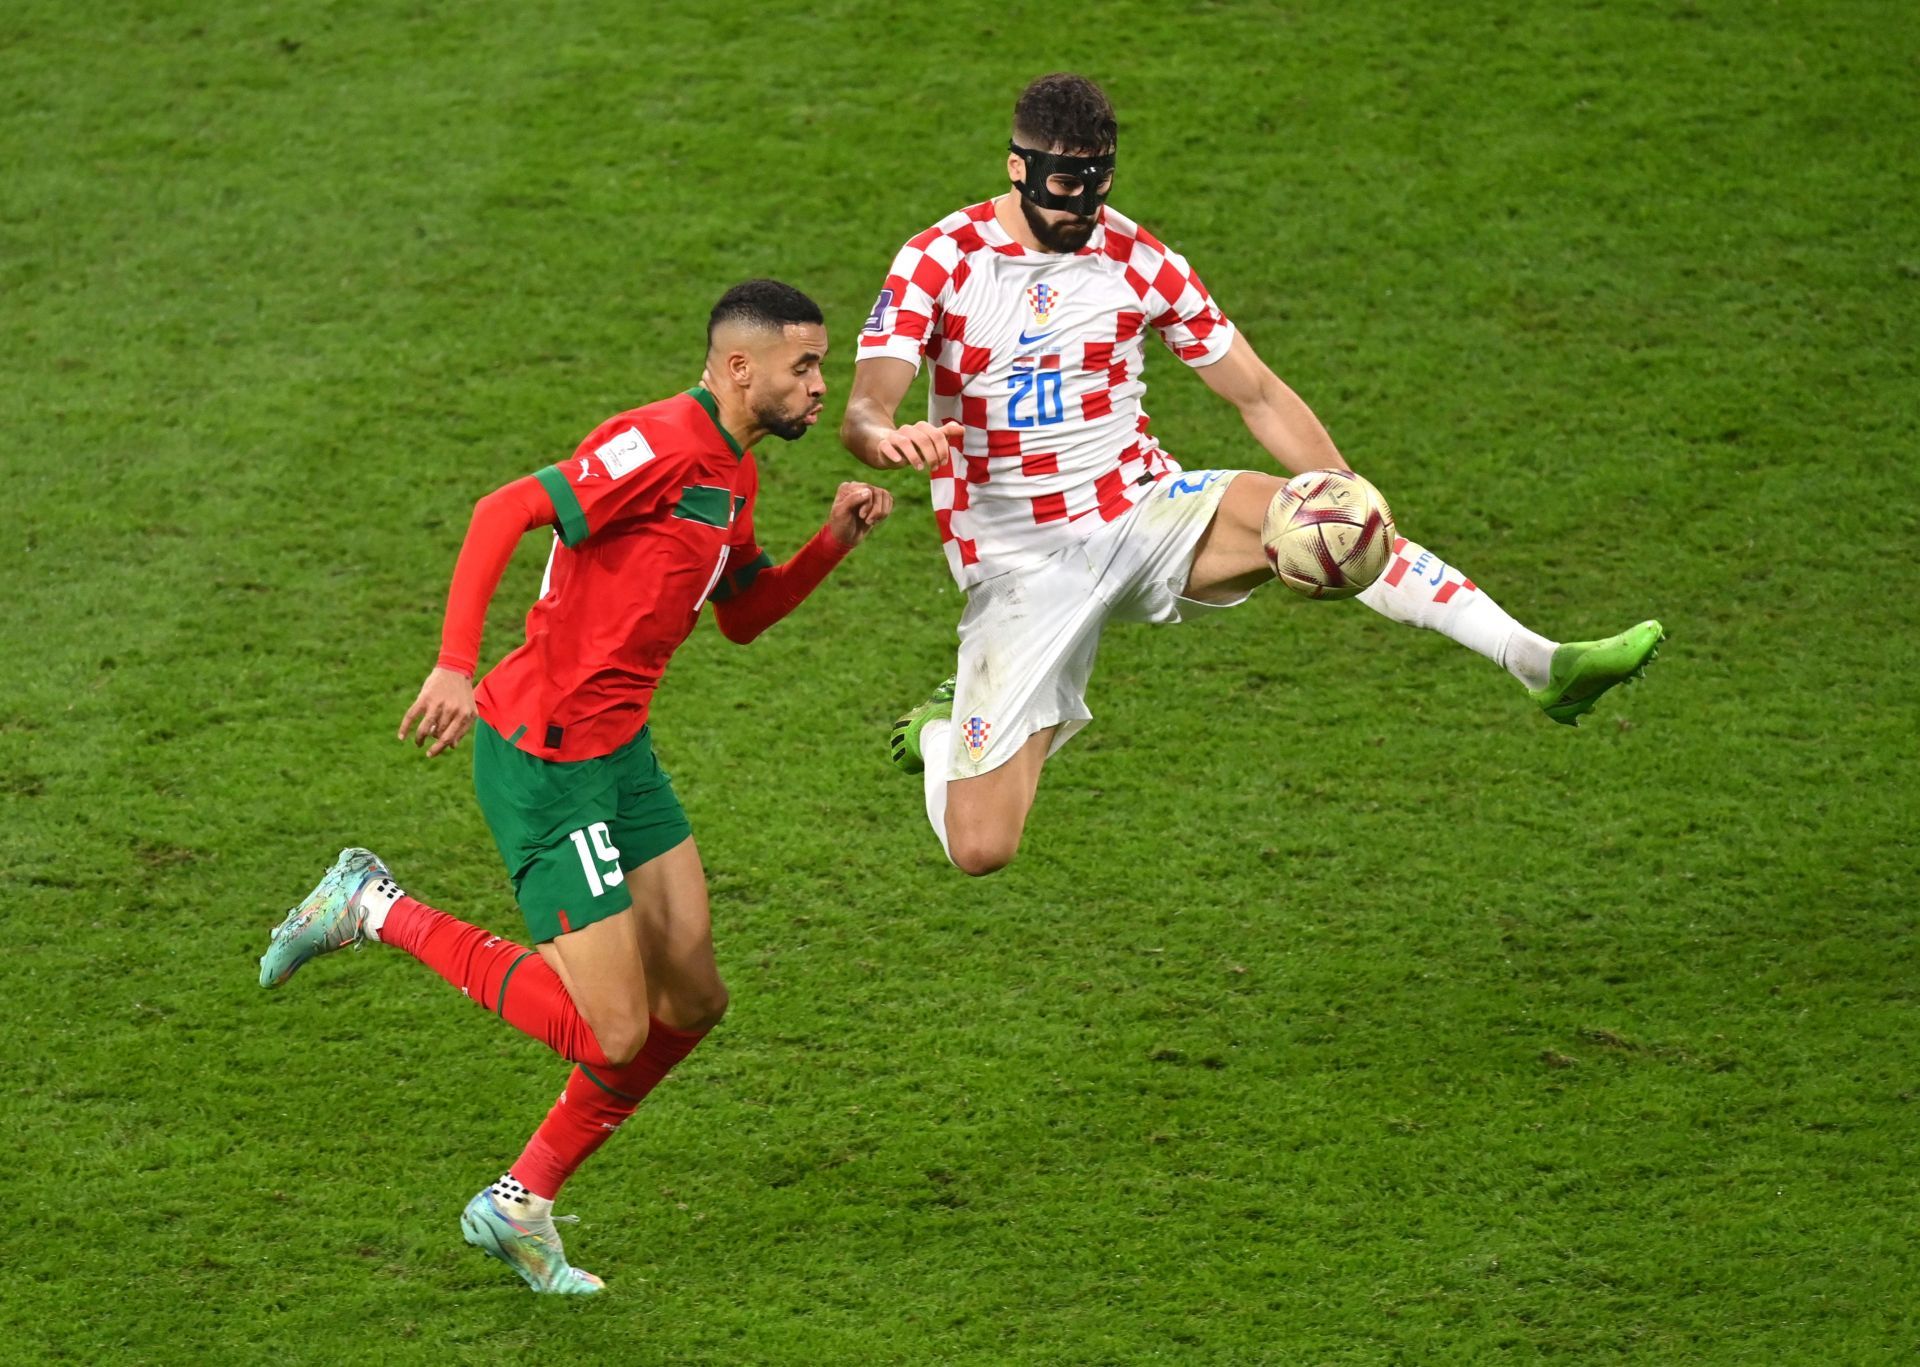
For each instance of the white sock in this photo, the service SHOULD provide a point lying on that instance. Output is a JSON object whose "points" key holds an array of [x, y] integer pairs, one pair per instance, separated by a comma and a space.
{"points": [[375, 903], [934, 737], [1422, 590], [512, 1199]]}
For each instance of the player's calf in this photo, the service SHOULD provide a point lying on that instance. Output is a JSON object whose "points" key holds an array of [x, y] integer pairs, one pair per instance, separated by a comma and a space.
{"points": [[594, 1105]]}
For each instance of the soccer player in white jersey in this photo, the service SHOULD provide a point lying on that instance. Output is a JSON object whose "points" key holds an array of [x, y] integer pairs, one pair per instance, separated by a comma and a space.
{"points": [[1058, 510]]}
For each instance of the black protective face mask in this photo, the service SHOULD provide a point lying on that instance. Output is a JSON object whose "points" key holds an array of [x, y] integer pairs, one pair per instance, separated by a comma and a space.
{"points": [[1093, 173]]}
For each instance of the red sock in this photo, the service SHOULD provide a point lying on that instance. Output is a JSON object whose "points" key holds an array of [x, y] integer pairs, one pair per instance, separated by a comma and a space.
{"points": [[595, 1103], [500, 975]]}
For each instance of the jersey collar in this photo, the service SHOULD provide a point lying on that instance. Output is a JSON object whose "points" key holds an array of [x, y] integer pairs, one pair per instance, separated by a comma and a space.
{"points": [[701, 396]]}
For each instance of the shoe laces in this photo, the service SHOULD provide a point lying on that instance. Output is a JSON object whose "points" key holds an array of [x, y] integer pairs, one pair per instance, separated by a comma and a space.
{"points": [[548, 1235]]}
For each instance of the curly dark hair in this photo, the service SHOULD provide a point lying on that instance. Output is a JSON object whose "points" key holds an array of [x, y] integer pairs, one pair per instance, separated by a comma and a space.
{"points": [[1065, 111], [765, 303]]}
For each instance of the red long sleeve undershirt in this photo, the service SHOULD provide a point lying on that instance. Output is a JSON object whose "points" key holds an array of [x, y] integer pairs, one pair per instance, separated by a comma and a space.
{"points": [[508, 513], [499, 521], [777, 591]]}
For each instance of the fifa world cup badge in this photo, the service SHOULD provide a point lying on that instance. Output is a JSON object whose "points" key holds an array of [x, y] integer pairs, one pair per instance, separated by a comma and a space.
{"points": [[975, 735]]}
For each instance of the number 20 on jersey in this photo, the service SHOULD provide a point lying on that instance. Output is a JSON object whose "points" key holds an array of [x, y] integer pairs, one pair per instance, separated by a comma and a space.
{"points": [[1034, 398]]}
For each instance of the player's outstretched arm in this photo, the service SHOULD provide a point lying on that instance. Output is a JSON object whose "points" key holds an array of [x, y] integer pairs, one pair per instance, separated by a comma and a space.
{"points": [[746, 604], [444, 711], [868, 429], [1278, 418]]}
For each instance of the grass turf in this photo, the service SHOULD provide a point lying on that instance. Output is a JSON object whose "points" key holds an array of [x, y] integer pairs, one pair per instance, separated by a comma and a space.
{"points": [[1340, 1008]]}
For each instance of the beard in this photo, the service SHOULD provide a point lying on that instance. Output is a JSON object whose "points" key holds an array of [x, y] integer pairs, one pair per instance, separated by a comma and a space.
{"points": [[784, 425], [1069, 236]]}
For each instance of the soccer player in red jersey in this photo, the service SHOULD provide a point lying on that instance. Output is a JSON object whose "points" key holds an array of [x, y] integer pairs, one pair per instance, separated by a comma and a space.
{"points": [[652, 517], [1057, 508]]}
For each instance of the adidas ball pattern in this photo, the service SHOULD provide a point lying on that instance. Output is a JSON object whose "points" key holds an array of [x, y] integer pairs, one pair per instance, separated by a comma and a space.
{"points": [[1328, 534]]}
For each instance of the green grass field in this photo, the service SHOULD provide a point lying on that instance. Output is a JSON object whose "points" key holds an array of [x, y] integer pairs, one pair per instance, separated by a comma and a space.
{"points": [[1340, 1009]]}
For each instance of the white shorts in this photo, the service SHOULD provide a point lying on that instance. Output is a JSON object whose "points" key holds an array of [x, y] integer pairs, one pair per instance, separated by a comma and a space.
{"points": [[1028, 637]]}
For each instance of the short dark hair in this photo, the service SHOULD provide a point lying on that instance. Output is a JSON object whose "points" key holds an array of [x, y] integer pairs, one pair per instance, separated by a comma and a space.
{"points": [[1065, 111], [764, 303]]}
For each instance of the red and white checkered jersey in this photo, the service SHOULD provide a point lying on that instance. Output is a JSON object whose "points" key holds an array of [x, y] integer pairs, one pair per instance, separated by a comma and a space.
{"points": [[1038, 355]]}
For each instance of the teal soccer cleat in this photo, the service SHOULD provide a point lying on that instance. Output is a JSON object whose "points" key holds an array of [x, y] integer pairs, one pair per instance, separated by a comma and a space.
{"points": [[1583, 670], [328, 918], [534, 1253], [903, 742]]}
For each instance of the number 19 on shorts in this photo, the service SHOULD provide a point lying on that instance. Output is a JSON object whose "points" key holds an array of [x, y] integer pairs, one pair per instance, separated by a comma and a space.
{"points": [[598, 858]]}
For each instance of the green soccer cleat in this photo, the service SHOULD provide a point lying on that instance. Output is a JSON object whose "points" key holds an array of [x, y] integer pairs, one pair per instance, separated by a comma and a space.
{"points": [[535, 1254], [330, 917], [903, 742], [1583, 670]]}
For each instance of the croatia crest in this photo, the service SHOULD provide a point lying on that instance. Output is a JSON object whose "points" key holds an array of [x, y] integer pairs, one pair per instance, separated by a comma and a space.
{"points": [[1043, 299], [975, 735]]}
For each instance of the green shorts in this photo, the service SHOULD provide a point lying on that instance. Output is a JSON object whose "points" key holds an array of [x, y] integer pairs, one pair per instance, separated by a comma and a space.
{"points": [[570, 831]]}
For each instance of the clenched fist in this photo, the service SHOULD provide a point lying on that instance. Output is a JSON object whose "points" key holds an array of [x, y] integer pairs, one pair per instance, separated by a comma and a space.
{"points": [[858, 509]]}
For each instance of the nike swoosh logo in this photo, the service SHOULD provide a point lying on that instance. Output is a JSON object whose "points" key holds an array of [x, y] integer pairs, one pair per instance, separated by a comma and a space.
{"points": [[1037, 337]]}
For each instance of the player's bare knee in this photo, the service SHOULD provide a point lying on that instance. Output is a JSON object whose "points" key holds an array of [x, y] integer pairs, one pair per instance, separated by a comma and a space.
{"points": [[706, 1010], [978, 855], [696, 1008], [622, 1040], [976, 866], [979, 844]]}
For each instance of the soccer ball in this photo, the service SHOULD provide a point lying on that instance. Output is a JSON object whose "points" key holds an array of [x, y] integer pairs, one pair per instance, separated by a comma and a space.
{"points": [[1328, 534]]}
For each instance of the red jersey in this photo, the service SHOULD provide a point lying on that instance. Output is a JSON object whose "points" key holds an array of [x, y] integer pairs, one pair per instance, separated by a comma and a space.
{"points": [[653, 509]]}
